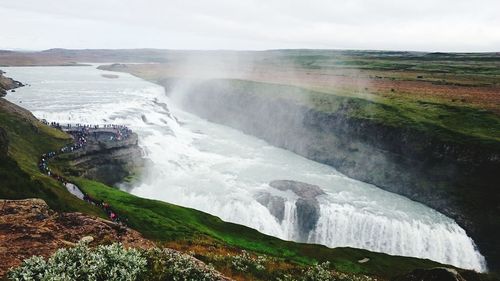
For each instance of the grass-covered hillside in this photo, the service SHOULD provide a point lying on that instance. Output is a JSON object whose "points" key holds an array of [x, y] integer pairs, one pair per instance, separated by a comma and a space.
{"points": [[23, 140], [206, 236]]}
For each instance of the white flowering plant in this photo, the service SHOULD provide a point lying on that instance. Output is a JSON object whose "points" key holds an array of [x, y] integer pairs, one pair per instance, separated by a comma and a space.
{"points": [[166, 264], [105, 262], [245, 262]]}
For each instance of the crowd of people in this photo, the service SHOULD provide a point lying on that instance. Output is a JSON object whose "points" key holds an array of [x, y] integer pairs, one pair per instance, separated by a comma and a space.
{"points": [[52, 124], [81, 136], [106, 207], [119, 132]]}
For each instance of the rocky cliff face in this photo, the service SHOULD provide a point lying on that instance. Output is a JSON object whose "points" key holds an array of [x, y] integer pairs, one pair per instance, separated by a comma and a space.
{"points": [[307, 206], [29, 227], [453, 177], [108, 162], [7, 84]]}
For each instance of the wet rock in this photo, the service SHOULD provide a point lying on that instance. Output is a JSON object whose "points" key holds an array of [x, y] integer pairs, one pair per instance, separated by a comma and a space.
{"points": [[307, 206], [164, 106], [275, 204], [308, 213], [110, 76], [7, 83], [303, 190]]}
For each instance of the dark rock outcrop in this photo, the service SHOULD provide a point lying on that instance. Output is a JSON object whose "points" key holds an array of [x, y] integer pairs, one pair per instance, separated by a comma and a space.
{"points": [[275, 204], [107, 161], [307, 216], [452, 176], [307, 206], [7, 83], [301, 189]]}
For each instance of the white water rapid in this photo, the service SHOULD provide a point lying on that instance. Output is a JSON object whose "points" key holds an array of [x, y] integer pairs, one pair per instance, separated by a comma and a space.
{"points": [[220, 171]]}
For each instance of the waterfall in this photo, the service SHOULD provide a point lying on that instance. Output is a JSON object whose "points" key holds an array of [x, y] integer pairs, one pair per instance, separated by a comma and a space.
{"points": [[343, 225], [221, 171], [289, 227]]}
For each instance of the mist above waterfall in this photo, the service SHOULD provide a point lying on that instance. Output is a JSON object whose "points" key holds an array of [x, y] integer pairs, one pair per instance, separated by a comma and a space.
{"points": [[219, 170]]}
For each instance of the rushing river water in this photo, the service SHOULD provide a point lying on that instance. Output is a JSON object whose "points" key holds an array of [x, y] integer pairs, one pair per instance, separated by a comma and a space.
{"points": [[221, 171]]}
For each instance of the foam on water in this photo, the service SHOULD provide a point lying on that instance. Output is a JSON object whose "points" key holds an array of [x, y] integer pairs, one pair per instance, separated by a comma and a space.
{"points": [[218, 170]]}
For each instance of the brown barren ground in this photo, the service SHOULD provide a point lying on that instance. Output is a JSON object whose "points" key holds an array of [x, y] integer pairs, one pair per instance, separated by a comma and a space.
{"points": [[29, 227], [339, 82]]}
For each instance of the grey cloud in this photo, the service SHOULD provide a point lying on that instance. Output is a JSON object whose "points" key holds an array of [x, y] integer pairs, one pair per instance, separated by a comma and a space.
{"points": [[445, 25]]}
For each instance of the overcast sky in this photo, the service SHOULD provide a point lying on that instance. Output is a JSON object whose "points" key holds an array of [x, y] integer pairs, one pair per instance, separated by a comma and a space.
{"points": [[425, 25]]}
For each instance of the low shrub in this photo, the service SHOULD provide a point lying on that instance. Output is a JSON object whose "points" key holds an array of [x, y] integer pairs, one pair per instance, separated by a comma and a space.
{"points": [[245, 262], [105, 262], [318, 272], [166, 264], [115, 263]]}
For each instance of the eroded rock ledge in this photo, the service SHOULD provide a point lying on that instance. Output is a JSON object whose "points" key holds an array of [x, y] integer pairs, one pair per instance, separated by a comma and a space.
{"points": [[7, 84], [106, 161]]}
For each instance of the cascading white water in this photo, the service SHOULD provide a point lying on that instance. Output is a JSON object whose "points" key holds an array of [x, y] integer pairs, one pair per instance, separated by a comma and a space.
{"points": [[221, 171], [343, 225]]}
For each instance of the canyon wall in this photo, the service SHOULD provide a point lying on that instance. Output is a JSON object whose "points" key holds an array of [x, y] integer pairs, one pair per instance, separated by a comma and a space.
{"points": [[456, 177]]}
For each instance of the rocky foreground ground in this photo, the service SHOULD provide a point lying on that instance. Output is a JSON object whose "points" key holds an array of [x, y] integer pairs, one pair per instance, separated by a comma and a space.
{"points": [[29, 227]]}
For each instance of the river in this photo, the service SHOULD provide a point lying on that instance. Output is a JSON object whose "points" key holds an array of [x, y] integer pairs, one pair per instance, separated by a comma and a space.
{"points": [[221, 171]]}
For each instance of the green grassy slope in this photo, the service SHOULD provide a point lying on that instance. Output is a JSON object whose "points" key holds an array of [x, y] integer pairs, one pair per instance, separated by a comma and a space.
{"points": [[159, 221], [19, 175], [165, 222]]}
